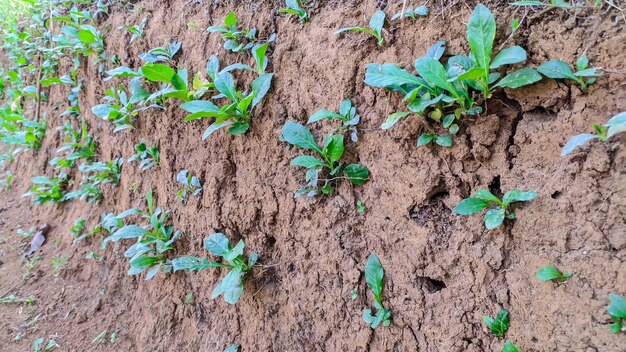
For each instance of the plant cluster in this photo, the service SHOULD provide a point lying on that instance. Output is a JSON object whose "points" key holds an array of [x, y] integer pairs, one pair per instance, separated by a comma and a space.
{"points": [[191, 185], [412, 13], [498, 209], [347, 116], [147, 156], [236, 39]]}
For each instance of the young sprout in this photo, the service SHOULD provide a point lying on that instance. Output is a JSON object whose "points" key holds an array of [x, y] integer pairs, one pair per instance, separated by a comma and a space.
{"points": [[617, 310], [509, 347], [550, 273], [412, 13], [360, 207], [347, 115], [236, 39], [375, 30], [498, 209], [137, 30], [617, 124], [191, 185], [374, 274], [498, 325], [558, 69], [149, 156], [294, 7]]}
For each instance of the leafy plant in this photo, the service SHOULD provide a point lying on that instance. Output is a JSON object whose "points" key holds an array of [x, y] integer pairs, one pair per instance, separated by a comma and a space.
{"points": [[39, 347], [78, 37], [137, 30], [360, 207], [374, 277], [558, 69], [412, 13], [153, 239], [236, 39], [294, 7], [78, 145], [5, 183], [78, 229], [617, 124], [231, 285], [104, 171], [617, 311], [58, 261], [149, 156], [550, 273], [120, 108], [497, 209], [331, 152], [46, 189], [191, 185], [498, 325], [347, 115], [509, 347], [165, 55], [376, 27]]}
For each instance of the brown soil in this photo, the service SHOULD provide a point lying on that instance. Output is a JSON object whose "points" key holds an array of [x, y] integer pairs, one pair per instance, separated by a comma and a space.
{"points": [[443, 272]]}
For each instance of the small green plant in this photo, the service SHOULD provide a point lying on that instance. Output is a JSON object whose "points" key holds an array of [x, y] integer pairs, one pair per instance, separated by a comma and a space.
{"points": [[137, 30], [191, 185], [58, 262], [617, 311], [412, 13], [558, 69], [5, 183], [188, 299], [77, 145], [331, 152], [78, 230], [153, 239], [102, 172], [553, 3], [509, 347], [236, 39], [498, 325], [376, 27], [38, 345], [121, 109], [149, 156], [26, 234], [360, 207], [374, 277], [46, 189], [15, 299], [617, 124], [550, 273], [233, 348], [231, 285], [165, 55], [354, 294], [497, 209], [347, 115], [294, 7]]}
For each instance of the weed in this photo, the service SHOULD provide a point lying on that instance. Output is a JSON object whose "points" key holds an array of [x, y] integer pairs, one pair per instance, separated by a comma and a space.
{"points": [[294, 7], [376, 27], [509, 347], [617, 124], [231, 285], [498, 325], [558, 69], [553, 3], [617, 311], [331, 152], [374, 277], [58, 262], [412, 13], [550, 273], [191, 185], [137, 30], [498, 209], [347, 115], [149, 156]]}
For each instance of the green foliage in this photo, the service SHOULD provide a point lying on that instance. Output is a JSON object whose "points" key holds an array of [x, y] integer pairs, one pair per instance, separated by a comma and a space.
{"points": [[46, 189], [232, 348], [550, 273], [617, 311], [374, 274], [617, 124], [148, 156], [498, 325], [294, 7], [77, 145], [347, 116], [236, 39], [38, 345], [121, 107], [331, 153], [231, 285], [5, 182], [78, 229], [191, 185], [103, 172], [58, 261], [558, 69], [165, 55], [77, 37], [153, 239], [20, 132], [497, 209], [376, 27], [360, 207], [137, 30], [412, 13], [509, 347], [553, 3]]}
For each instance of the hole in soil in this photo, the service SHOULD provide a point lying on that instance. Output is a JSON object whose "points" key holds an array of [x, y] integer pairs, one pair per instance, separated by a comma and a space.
{"points": [[494, 187], [556, 195], [271, 240], [431, 285], [434, 215]]}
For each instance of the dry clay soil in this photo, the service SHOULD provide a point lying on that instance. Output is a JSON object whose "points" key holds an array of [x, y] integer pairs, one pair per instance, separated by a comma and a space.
{"points": [[443, 272]]}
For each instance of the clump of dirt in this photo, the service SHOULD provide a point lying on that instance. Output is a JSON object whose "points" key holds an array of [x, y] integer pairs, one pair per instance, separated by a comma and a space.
{"points": [[443, 272]]}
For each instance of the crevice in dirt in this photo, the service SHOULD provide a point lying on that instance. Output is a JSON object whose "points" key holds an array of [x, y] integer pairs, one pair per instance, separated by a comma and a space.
{"points": [[431, 285]]}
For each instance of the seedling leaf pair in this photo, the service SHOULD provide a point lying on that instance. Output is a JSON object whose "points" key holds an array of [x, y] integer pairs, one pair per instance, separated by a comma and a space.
{"points": [[497, 209], [374, 274], [191, 185], [558, 69], [376, 27], [347, 115], [498, 325], [617, 124], [550, 273], [412, 13], [617, 310], [294, 7]]}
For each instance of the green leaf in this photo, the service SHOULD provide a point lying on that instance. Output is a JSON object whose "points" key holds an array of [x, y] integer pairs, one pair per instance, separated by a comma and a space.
{"points": [[617, 308], [519, 78], [357, 173], [129, 231], [509, 347], [195, 106], [323, 114], [616, 124], [190, 264], [444, 140], [486, 196], [470, 206], [335, 148], [157, 72], [424, 139], [393, 118], [217, 244], [374, 275], [577, 141], [494, 218], [238, 128], [548, 273], [102, 110], [260, 86], [389, 75], [500, 324], [481, 31], [86, 36], [509, 56], [231, 286], [214, 127], [434, 73], [144, 262], [121, 71], [230, 19], [556, 69], [300, 136], [377, 21], [582, 62], [232, 348], [225, 84], [518, 196]]}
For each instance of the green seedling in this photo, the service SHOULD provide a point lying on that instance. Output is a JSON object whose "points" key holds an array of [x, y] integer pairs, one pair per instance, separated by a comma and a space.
{"points": [[374, 277], [137, 30], [236, 39], [15, 299], [354, 294], [232, 348], [16, 131], [509, 347], [165, 55], [558, 69], [294, 7], [188, 299], [553, 3], [347, 115], [153, 239], [617, 311], [497, 209], [58, 262], [78, 230], [331, 152], [5, 182], [231, 285], [88, 191], [412, 13], [77, 145], [148, 156], [617, 124], [550, 273], [38, 345], [498, 325], [30, 264], [376, 27], [78, 37], [46, 189], [102, 172], [360, 207], [26, 234], [191, 185]]}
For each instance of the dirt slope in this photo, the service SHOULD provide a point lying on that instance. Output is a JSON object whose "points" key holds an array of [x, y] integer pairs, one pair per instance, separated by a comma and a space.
{"points": [[443, 271]]}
